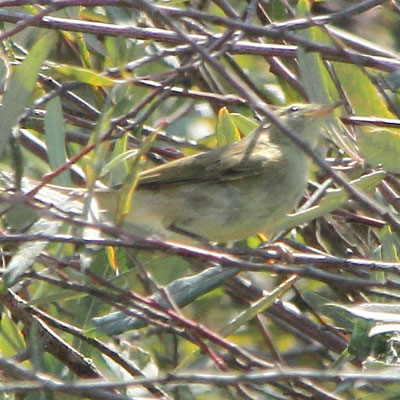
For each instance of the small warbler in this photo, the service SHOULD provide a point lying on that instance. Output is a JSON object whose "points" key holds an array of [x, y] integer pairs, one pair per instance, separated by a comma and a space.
{"points": [[231, 192]]}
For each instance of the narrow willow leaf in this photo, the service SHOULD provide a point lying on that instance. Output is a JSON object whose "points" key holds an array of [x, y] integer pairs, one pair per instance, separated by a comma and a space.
{"points": [[259, 306], [360, 343], [57, 197], [83, 75], [118, 162], [95, 160], [377, 312], [121, 153], [322, 304], [331, 201], [131, 181], [55, 139], [29, 251], [315, 77], [21, 86], [183, 291], [318, 83], [390, 244]]}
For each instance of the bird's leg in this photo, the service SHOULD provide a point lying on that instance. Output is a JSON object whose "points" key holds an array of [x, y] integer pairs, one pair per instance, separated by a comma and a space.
{"points": [[283, 250]]}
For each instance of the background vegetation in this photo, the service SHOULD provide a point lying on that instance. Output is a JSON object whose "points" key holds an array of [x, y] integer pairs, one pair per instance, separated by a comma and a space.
{"points": [[94, 312]]}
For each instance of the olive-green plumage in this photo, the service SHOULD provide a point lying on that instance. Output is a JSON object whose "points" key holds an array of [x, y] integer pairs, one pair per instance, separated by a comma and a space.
{"points": [[232, 192]]}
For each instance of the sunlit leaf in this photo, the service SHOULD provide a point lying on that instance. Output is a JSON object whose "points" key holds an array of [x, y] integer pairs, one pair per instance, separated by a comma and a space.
{"points": [[83, 75], [226, 131], [381, 147], [362, 94]]}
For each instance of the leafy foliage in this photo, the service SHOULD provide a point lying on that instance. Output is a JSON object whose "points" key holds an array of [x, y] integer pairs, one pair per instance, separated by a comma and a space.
{"points": [[91, 95]]}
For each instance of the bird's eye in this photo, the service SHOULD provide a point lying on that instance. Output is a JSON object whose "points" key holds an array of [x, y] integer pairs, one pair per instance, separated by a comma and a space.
{"points": [[293, 109]]}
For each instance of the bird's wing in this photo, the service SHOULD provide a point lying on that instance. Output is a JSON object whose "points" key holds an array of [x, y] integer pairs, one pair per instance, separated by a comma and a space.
{"points": [[221, 164], [199, 167]]}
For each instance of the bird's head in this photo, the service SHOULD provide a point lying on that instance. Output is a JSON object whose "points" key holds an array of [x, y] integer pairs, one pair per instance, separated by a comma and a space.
{"points": [[305, 119]]}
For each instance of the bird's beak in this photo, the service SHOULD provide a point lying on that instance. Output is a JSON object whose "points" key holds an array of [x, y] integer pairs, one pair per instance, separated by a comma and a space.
{"points": [[325, 110]]}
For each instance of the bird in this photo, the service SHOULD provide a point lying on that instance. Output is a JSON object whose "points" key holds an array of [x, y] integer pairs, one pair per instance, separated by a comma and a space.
{"points": [[227, 193]]}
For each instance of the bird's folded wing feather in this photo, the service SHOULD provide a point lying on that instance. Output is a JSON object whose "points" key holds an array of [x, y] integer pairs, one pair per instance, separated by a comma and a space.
{"points": [[221, 164]]}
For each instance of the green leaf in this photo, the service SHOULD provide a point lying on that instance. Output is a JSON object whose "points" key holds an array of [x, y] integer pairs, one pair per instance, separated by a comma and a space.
{"points": [[55, 139], [314, 75], [318, 83], [392, 81], [121, 154], [361, 344], [11, 338], [83, 75], [95, 160], [244, 124], [183, 291], [362, 94], [19, 216], [55, 297], [381, 147], [17, 161], [226, 131], [276, 10], [36, 347], [53, 196], [333, 200], [390, 244], [29, 251], [259, 306], [21, 85], [130, 182], [118, 162], [323, 305]]}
